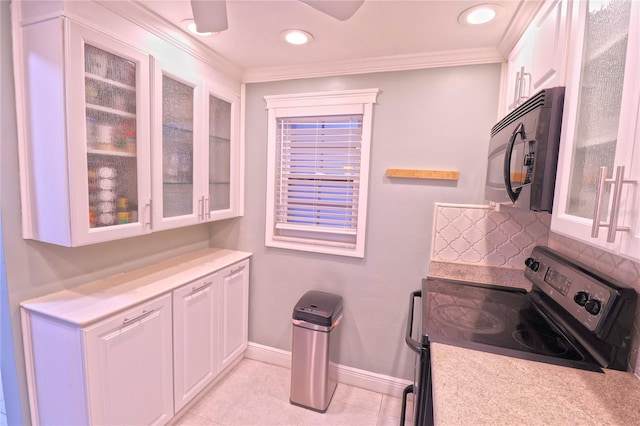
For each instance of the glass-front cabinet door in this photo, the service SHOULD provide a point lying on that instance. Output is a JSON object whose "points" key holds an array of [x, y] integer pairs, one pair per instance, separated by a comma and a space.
{"points": [[222, 109], [108, 138], [176, 149], [596, 166]]}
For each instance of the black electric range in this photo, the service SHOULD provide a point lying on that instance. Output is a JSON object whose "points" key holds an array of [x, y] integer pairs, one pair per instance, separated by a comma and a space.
{"points": [[573, 316]]}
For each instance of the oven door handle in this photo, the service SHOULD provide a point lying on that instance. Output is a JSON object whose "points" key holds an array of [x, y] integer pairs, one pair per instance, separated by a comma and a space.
{"points": [[411, 342]]}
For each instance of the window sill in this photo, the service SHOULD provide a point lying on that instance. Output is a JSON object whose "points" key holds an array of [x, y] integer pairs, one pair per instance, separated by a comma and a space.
{"points": [[315, 246]]}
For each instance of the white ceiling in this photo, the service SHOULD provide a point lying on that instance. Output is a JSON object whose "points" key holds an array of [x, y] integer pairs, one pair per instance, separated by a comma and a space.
{"points": [[381, 30]]}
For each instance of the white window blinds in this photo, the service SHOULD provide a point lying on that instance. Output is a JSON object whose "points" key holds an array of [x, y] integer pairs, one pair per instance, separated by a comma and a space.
{"points": [[318, 157], [318, 174]]}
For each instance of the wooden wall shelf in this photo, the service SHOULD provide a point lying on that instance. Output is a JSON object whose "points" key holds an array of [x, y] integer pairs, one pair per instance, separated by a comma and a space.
{"points": [[423, 174]]}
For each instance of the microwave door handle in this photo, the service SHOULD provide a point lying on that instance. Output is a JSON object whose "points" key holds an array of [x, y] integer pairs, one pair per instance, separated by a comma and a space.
{"points": [[513, 195], [411, 342]]}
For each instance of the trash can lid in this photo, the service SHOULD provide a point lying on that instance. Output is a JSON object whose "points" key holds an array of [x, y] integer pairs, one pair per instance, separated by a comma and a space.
{"points": [[318, 307]]}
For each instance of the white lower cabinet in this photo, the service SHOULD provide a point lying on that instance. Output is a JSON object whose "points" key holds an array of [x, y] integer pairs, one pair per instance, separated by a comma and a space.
{"points": [[135, 348], [116, 372], [210, 329], [235, 307], [195, 338], [129, 367]]}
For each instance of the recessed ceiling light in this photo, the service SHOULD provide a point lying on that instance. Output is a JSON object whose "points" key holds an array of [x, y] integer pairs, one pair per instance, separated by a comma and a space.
{"points": [[480, 14], [190, 25], [297, 37]]}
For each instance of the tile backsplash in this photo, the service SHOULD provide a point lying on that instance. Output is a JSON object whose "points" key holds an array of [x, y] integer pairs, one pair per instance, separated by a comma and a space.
{"points": [[479, 235]]}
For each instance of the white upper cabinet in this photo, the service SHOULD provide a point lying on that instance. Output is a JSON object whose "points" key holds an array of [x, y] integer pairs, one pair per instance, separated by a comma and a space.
{"points": [[537, 60], [597, 198], [195, 150], [222, 168], [118, 139], [85, 156], [177, 137]]}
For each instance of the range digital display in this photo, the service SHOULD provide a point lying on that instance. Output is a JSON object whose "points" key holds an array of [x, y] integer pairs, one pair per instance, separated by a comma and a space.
{"points": [[558, 281]]}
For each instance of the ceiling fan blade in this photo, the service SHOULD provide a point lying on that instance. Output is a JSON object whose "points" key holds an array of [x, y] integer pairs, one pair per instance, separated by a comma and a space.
{"points": [[210, 15], [339, 9]]}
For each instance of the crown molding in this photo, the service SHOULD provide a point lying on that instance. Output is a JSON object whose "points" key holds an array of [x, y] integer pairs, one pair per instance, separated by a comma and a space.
{"points": [[525, 13], [158, 26], [150, 21], [382, 64]]}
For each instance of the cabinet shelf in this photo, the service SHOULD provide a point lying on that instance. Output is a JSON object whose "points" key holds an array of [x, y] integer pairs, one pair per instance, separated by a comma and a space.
{"points": [[109, 81], [110, 110], [111, 152], [219, 139], [176, 127], [597, 141], [602, 51]]}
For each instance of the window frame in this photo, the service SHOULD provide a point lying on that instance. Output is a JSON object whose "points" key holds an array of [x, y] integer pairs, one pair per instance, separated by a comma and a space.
{"points": [[334, 103]]}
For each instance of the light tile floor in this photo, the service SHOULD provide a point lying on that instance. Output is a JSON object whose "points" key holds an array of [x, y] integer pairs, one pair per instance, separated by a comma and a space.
{"points": [[255, 393]]}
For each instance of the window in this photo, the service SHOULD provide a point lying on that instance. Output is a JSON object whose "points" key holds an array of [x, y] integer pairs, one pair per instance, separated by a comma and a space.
{"points": [[318, 171]]}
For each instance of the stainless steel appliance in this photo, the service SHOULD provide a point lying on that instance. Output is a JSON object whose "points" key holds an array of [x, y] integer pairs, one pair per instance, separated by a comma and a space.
{"points": [[523, 153], [573, 316]]}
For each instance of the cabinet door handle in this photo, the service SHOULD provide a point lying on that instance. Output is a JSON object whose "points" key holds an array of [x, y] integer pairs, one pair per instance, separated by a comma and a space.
{"points": [[236, 271], [516, 90], [202, 287], [524, 76], [200, 208], [612, 225], [207, 211], [615, 205], [597, 211], [144, 314], [150, 208]]}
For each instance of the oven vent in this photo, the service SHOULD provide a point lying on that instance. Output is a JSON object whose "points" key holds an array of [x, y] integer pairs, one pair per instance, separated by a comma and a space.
{"points": [[543, 99]]}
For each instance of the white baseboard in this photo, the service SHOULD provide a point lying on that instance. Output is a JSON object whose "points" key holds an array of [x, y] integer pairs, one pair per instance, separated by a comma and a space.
{"points": [[348, 375]]}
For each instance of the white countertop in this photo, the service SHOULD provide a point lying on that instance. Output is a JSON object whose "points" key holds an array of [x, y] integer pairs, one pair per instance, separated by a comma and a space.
{"points": [[478, 388], [96, 300]]}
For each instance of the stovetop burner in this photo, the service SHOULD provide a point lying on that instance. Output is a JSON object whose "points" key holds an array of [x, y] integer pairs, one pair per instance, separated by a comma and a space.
{"points": [[542, 343], [468, 318]]}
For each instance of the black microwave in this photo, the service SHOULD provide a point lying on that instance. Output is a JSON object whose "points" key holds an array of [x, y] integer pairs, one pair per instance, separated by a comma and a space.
{"points": [[523, 153]]}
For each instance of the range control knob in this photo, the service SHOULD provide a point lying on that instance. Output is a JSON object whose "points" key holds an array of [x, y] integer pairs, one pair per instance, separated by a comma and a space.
{"points": [[593, 306], [581, 298], [532, 264]]}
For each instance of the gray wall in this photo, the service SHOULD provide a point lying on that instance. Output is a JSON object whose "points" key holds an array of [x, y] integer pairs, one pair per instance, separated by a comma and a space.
{"points": [[425, 119], [33, 268]]}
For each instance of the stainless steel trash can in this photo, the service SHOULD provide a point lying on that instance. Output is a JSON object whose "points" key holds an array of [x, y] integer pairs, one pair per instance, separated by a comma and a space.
{"points": [[314, 354]]}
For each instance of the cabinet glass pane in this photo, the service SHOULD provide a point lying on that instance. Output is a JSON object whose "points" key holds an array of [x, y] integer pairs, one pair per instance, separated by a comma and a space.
{"points": [[601, 83], [219, 154], [177, 148], [110, 103]]}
